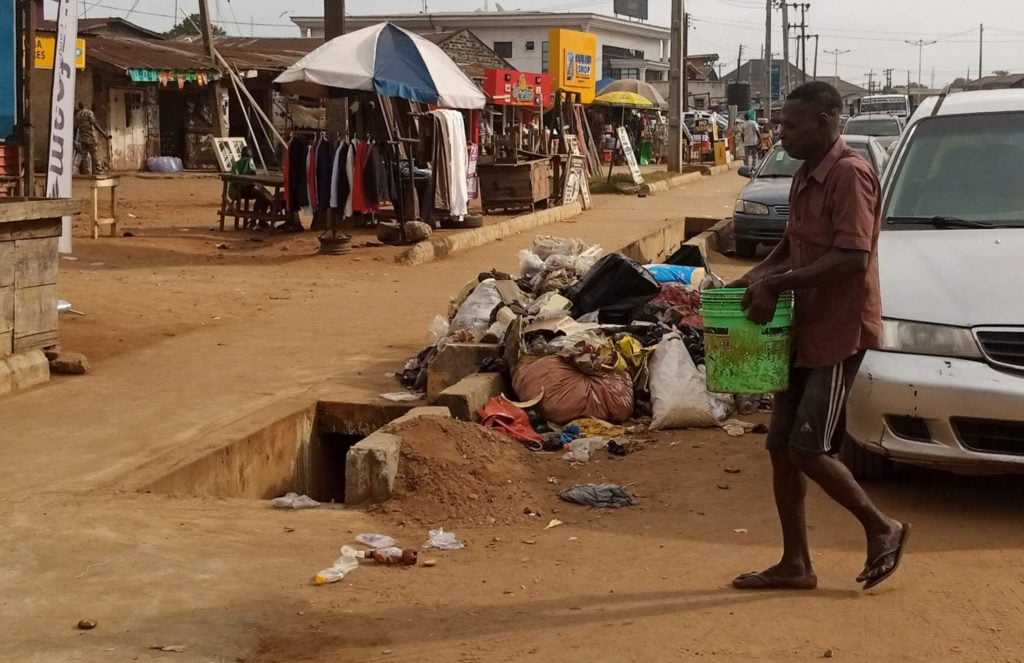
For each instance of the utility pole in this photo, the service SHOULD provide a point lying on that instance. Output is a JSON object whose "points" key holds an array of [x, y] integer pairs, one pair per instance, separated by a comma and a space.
{"points": [[981, 47], [888, 79], [815, 57], [932, 84], [768, 61], [920, 43], [836, 52], [739, 61], [803, 7], [206, 25], [676, 74], [785, 47], [334, 26], [686, 63], [871, 78]]}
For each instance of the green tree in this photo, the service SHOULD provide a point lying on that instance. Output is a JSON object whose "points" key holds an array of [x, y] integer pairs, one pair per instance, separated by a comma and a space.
{"points": [[186, 28], [1000, 72]]}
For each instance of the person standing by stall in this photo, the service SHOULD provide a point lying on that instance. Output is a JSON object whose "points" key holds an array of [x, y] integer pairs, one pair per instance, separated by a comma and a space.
{"points": [[85, 140], [750, 132]]}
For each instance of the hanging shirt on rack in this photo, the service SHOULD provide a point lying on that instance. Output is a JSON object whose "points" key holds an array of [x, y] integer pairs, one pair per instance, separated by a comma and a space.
{"points": [[311, 174], [339, 178], [361, 202], [297, 154], [457, 161], [350, 157], [324, 169]]}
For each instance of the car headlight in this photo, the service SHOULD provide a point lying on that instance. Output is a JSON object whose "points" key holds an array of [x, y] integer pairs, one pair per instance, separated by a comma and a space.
{"points": [[747, 207], [927, 339]]}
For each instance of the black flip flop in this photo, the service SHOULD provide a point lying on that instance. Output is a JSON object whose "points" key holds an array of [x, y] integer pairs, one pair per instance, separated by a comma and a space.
{"points": [[898, 551], [758, 580]]}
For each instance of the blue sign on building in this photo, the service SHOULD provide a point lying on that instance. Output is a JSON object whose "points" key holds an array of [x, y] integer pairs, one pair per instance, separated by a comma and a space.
{"points": [[776, 82], [8, 100]]}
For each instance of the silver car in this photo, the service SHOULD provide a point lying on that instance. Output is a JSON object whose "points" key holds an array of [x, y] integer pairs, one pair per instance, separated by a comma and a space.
{"points": [[947, 389]]}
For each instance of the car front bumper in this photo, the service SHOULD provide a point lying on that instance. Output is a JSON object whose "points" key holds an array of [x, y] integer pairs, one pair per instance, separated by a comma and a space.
{"points": [[943, 393], [768, 229]]}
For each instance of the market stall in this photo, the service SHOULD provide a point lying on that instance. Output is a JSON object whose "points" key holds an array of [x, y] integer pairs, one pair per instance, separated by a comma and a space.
{"points": [[406, 150]]}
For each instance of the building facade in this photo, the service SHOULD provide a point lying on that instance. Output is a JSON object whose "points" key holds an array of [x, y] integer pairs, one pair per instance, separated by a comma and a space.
{"points": [[625, 49]]}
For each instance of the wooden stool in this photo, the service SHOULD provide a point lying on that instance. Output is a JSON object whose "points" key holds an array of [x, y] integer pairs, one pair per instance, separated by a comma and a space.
{"points": [[98, 183]]}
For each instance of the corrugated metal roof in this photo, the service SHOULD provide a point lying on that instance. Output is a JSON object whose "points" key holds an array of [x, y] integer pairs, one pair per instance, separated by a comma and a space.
{"points": [[123, 53], [266, 53]]}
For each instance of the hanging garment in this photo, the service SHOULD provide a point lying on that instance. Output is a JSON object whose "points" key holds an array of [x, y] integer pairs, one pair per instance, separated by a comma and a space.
{"points": [[286, 188], [311, 174], [361, 201], [324, 169], [441, 162], [296, 158], [393, 173], [350, 158], [339, 179], [457, 165], [375, 176]]}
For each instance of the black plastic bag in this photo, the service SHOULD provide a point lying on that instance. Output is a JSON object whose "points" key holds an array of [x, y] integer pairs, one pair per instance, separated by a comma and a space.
{"points": [[615, 286]]}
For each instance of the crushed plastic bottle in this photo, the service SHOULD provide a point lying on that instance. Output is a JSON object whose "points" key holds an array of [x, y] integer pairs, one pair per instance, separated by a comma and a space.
{"points": [[376, 541], [295, 501], [444, 540], [342, 566]]}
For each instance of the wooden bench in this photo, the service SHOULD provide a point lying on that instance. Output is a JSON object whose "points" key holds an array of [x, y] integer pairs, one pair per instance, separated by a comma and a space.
{"points": [[241, 209]]}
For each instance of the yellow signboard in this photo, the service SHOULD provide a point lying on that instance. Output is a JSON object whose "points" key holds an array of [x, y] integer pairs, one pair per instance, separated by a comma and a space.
{"points": [[575, 57], [46, 46]]}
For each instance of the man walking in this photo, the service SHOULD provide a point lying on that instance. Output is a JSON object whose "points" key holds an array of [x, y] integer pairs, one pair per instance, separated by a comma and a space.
{"points": [[829, 257], [85, 138], [751, 134]]}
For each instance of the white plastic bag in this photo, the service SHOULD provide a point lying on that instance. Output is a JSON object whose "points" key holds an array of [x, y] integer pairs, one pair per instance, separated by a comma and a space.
{"points": [[679, 395], [342, 566], [437, 330], [546, 245], [530, 264], [294, 501], [443, 540], [580, 450], [376, 541], [475, 312]]}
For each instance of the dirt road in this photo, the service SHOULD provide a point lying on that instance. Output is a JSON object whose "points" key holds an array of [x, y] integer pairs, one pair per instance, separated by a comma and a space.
{"points": [[187, 339]]}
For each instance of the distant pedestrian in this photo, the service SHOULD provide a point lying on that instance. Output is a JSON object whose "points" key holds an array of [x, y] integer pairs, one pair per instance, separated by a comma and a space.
{"points": [[829, 257], [751, 134], [85, 140]]}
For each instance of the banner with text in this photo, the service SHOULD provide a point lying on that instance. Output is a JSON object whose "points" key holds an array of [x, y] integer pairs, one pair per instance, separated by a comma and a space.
{"points": [[61, 152], [576, 61]]}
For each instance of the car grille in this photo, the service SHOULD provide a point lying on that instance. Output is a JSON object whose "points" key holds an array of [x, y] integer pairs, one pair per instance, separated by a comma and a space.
{"points": [[1004, 347], [782, 211], [1002, 437]]}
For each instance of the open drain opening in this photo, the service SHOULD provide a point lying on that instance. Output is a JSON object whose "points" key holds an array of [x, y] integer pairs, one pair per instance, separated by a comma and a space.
{"points": [[302, 452]]}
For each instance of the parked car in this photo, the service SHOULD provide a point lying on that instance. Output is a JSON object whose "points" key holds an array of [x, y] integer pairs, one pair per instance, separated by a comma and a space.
{"points": [[886, 128], [762, 208], [947, 388]]}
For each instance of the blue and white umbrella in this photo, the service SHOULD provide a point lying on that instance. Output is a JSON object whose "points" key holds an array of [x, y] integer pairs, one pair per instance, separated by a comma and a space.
{"points": [[386, 60]]}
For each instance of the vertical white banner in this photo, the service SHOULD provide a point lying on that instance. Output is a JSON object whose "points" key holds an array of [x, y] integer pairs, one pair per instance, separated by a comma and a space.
{"points": [[60, 155]]}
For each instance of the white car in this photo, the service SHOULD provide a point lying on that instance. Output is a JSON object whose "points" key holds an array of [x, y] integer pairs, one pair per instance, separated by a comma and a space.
{"points": [[947, 388]]}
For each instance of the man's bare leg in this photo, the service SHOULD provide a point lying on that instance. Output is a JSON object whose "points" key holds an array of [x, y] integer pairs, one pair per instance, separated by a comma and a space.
{"points": [[794, 570], [882, 532]]}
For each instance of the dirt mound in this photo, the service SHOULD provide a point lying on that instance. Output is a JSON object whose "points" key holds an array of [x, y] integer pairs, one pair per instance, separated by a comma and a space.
{"points": [[461, 473]]}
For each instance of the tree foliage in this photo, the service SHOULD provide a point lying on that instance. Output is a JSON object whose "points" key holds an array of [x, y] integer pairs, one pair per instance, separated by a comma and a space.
{"points": [[186, 27]]}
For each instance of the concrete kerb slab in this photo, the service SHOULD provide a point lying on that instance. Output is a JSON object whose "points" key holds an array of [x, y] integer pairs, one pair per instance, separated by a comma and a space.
{"points": [[371, 465], [433, 249], [471, 393], [717, 238]]}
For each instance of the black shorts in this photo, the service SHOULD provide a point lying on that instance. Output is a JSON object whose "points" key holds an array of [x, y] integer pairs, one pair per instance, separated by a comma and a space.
{"points": [[811, 416]]}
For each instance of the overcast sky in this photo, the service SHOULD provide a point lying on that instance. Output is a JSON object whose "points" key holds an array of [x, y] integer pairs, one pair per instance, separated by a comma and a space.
{"points": [[874, 31]]}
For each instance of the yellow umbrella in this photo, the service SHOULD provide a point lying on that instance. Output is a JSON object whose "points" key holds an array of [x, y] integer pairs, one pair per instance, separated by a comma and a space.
{"points": [[624, 99]]}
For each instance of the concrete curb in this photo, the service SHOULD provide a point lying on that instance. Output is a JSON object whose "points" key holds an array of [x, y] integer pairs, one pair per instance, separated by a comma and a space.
{"points": [[716, 238], [23, 370], [674, 181], [433, 249], [371, 465]]}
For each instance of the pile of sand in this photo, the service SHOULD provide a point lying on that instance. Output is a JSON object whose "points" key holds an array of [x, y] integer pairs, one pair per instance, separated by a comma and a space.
{"points": [[454, 472]]}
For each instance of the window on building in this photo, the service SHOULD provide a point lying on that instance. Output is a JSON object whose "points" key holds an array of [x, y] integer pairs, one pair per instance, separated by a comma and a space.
{"points": [[544, 57], [503, 49], [655, 75], [529, 45], [617, 52], [699, 103], [620, 74]]}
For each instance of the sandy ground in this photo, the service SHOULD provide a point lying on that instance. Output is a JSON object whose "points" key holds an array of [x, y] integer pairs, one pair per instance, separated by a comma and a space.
{"points": [[186, 338]]}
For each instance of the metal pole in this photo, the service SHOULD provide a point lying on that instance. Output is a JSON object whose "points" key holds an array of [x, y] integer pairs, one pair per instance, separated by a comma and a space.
{"points": [[981, 47], [22, 63], [803, 40], [675, 89], [768, 60], [816, 58], [334, 26], [785, 47], [206, 28]]}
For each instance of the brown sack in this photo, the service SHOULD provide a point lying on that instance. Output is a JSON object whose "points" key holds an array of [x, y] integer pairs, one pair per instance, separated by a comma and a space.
{"points": [[570, 394]]}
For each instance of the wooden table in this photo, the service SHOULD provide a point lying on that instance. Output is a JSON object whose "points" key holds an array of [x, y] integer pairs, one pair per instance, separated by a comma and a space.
{"points": [[511, 186], [241, 209]]}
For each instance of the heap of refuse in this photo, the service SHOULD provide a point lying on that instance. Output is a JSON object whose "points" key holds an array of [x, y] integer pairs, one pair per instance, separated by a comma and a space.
{"points": [[589, 337]]}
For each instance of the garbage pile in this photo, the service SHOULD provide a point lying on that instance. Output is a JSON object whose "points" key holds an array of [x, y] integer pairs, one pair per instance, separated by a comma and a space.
{"points": [[589, 338]]}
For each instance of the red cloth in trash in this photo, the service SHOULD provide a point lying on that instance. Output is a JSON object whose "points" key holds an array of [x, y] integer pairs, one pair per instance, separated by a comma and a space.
{"points": [[500, 413], [683, 299]]}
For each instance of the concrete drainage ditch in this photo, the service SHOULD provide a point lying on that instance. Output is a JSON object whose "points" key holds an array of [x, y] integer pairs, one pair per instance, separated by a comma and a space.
{"points": [[305, 451]]}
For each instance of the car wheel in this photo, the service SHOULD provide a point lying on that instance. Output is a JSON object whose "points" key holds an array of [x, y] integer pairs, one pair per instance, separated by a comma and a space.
{"points": [[746, 249], [864, 465]]}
